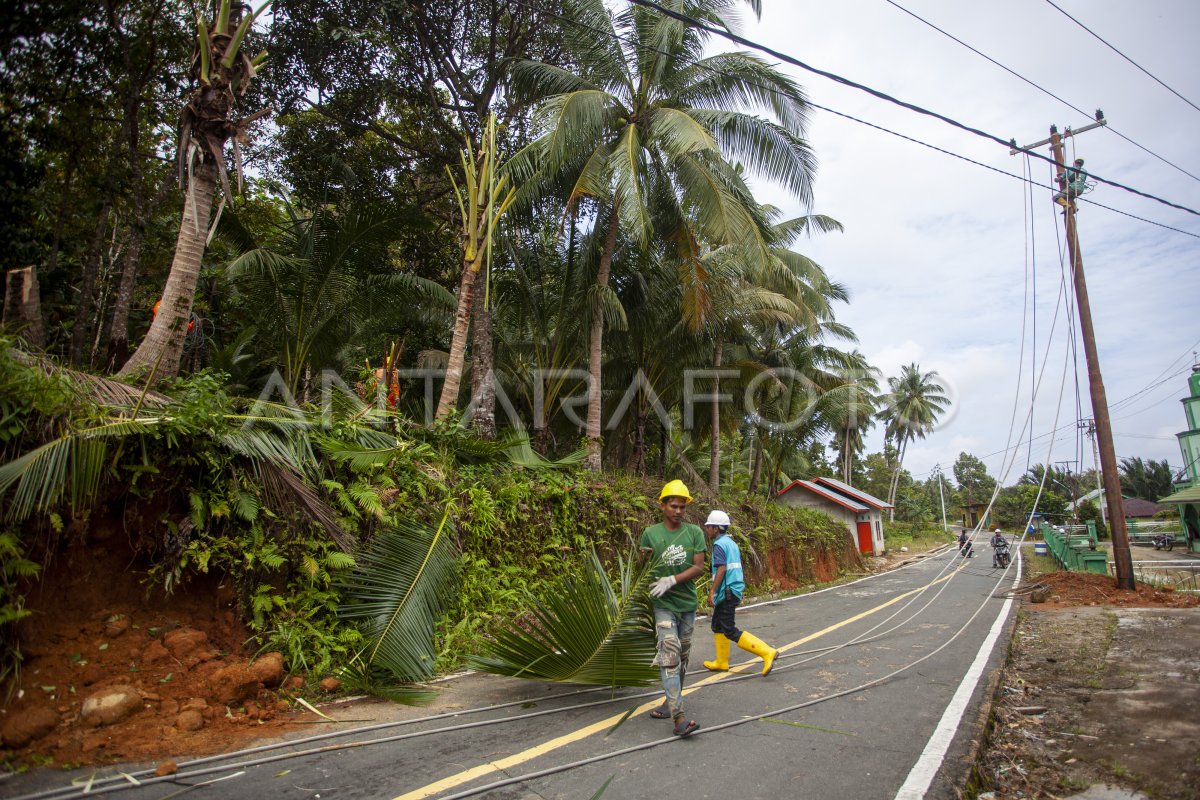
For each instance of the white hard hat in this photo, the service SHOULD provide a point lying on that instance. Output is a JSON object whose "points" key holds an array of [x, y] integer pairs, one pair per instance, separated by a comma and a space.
{"points": [[718, 518], [997, 530]]}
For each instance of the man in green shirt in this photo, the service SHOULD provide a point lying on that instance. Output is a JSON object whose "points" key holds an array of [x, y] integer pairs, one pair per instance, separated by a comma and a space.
{"points": [[677, 551]]}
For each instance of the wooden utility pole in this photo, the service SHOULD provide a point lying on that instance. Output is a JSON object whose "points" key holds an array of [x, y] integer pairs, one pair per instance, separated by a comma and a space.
{"points": [[1122, 558]]}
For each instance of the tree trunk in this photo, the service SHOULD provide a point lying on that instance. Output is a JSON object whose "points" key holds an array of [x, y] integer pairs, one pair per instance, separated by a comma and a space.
{"points": [[639, 445], [85, 321], [23, 305], [162, 348], [594, 459], [847, 457], [543, 440], [118, 328], [483, 379], [458, 342], [896, 480], [663, 434], [756, 473], [714, 456]]}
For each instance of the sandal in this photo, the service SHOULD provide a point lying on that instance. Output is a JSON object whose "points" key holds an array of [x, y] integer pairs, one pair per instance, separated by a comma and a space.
{"points": [[686, 727], [662, 712]]}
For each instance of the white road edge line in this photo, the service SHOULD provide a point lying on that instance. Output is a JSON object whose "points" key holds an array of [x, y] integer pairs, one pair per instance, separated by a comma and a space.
{"points": [[927, 766]]}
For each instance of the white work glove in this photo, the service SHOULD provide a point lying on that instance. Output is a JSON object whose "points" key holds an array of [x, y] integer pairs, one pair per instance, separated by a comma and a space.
{"points": [[662, 586]]}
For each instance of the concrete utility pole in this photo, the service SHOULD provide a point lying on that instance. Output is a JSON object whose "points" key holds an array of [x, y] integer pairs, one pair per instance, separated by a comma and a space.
{"points": [[1089, 426], [1070, 487], [1122, 559], [942, 497]]}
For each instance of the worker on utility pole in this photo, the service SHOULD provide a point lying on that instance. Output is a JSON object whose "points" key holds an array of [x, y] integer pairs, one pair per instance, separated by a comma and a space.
{"points": [[1075, 180], [1122, 559]]}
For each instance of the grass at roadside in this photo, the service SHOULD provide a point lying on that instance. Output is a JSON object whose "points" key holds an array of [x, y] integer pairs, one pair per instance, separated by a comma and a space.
{"points": [[1037, 565], [917, 537]]}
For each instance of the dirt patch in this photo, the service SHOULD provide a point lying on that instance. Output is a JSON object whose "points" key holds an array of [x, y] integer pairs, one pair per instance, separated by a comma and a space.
{"points": [[111, 674], [1102, 687], [1073, 589], [789, 568]]}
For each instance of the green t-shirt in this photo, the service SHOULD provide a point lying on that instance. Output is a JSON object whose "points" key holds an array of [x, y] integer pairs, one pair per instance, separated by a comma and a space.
{"points": [[673, 552]]}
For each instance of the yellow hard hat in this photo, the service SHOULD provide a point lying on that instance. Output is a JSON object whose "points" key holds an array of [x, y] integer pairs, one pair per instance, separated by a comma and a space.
{"points": [[675, 488]]}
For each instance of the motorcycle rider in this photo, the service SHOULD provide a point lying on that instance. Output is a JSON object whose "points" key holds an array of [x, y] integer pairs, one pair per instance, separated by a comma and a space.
{"points": [[999, 544]]}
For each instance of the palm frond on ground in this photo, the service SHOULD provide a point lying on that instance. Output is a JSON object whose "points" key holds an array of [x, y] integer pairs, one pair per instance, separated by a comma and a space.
{"points": [[591, 631], [394, 595]]}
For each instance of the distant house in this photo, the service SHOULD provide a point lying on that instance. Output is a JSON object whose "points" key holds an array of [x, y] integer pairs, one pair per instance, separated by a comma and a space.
{"points": [[1137, 508], [861, 512], [972, 513], [1094, 496]]}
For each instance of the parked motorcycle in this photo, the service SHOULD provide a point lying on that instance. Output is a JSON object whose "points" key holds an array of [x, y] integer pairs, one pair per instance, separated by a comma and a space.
{"points": [[1163, 541], [1001, 557]]}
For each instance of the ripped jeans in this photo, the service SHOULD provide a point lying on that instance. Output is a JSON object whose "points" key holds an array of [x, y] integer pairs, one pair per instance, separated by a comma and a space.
{"points": [[673, 630]]}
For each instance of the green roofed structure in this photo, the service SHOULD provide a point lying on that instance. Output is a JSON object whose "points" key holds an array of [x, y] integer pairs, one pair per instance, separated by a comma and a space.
{"points": [[1186, 496]]}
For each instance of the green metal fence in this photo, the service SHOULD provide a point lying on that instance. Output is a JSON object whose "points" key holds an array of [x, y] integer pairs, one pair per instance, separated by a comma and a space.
{"points": [[1074, 548]]}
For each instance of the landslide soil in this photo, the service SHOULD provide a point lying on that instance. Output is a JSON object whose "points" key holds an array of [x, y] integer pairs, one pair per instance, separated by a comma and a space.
{"points": [[94, 627], [1101, 689]]}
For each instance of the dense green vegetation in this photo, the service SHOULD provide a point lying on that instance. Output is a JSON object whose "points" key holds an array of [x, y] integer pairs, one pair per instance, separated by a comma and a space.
{"points": [[290, 507], [313, 287]]}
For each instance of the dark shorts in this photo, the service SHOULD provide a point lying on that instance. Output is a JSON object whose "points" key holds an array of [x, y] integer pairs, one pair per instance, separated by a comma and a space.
{"points": [[723, 619]]}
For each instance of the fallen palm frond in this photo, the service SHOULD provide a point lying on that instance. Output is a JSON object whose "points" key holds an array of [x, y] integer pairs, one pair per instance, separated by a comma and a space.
{"points": [[396, 592], [525, 456], [70, 467], [97, 388], [590, 631]]}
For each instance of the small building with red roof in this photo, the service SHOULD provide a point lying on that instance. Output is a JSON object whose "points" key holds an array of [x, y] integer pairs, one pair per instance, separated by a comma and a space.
{"points": [[862, 513]]}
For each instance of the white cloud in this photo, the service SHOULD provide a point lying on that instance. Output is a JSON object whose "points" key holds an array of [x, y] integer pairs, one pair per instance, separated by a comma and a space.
{"points": [[938, 253]]}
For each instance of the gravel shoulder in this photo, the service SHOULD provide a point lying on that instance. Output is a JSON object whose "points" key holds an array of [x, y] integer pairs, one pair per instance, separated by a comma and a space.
{"points": [[1100, 697]]}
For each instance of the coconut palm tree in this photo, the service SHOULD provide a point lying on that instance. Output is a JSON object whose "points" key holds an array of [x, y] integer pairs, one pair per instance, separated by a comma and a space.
{"points": [[912, 406], [222, 73], [853, 405], [643, 127], [1148, 480], [319, 282], [483, 198]]}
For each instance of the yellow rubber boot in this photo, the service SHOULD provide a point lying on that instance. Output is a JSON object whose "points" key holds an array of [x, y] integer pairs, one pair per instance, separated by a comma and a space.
{"points": [[752, 644], [721, 664]]}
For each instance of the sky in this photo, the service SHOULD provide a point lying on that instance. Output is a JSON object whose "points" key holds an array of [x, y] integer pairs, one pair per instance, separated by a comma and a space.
{"points": [[956, 267]]}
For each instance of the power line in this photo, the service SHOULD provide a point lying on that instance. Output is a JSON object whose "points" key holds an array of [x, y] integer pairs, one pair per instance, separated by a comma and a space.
{"points": [[1037, 86], [737, 39], [1151, 387], [997, 169], [1189, 350], [773, 90], [1122, 55]]}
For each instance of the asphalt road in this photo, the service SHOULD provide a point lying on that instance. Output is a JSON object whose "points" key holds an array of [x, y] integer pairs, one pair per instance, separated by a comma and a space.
{"points": [[861, 689]]}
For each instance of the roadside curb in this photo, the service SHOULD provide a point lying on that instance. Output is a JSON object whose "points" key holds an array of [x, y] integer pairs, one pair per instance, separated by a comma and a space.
{"points": [[981, 730]]}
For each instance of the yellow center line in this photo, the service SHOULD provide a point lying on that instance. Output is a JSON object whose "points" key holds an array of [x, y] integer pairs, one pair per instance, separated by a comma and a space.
{"points": [[531, 753]]}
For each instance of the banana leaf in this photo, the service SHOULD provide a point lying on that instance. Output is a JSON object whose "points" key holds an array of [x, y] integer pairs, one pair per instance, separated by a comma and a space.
{"points": [[591, 631]]}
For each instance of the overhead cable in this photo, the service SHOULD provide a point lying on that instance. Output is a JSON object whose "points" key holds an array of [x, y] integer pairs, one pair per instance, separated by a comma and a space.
{"points": [[1039, 87], [1122, 55], [997, 169], [852, 118], [737, 39]]}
